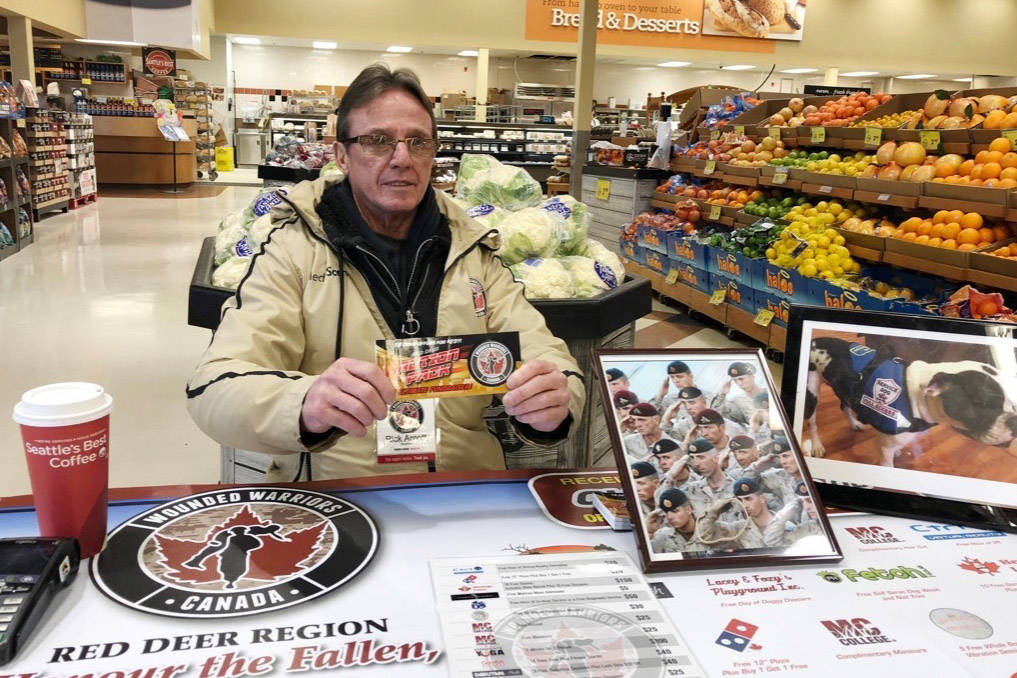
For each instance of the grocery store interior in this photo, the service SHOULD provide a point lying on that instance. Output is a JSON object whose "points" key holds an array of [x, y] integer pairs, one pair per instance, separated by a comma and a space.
{"points": [[849, 154]]}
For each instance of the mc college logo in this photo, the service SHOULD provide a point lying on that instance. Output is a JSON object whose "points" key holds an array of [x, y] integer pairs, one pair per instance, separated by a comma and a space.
{"points": [[235, 552]]}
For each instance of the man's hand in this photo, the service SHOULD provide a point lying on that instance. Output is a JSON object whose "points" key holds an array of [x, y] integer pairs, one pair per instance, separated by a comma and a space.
{"points": [[691, 435], [349, 395], [654, 520], [664, 388], [538, 395], [670, 412], [725, 387]]}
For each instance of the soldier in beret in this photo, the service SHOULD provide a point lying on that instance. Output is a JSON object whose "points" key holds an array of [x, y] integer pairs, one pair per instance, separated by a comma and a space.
{"points": [[711, 425], [646, 480], [693, 402], [624, 401], [673, 465], [759, 423], [678, 533], [786, 477], [738, 407], [713, 484], [646, 423], [760, 528], [616, 380], [802, 511], [746, 459], [679, 374]]}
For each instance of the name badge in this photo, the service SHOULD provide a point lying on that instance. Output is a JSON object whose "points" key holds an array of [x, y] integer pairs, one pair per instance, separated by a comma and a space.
{"points": [[409, 432]]}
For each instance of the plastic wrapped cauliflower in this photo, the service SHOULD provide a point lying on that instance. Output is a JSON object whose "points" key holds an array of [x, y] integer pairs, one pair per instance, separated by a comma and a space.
{"points": [[231, 231], [263, 203], [543, 279], [576, 219], [482, 179], [596, 250], [230, 272], [258, 231], [487, 214], [589, 277], [528, 233]]}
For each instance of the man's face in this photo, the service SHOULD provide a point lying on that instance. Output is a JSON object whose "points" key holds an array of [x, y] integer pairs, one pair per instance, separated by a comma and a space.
{"points": [[705, 463], [683, 380], [754, 504], [746, 382], [646, 425], [645, 487], [681, 518], [695, 405], [624, 410], [619, 384], [788, 463], [765, 412], [810, 507], [746, 456], [392, 183], [666, 460], [713, 432]]}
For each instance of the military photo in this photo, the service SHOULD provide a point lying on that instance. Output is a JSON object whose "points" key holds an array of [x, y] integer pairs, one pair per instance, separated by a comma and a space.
{"points": [[705, 447]]}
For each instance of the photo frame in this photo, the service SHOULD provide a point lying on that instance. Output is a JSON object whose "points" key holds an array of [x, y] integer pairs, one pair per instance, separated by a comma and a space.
{"points": [[907, 415], [713, 479]]}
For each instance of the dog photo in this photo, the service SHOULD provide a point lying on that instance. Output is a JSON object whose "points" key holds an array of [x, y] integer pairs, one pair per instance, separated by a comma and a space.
{"points": [[713, 478], [905, 409]]}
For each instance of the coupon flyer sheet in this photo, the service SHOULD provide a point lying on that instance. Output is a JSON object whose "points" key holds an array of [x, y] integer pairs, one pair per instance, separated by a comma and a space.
{"points": [[580, 614]]}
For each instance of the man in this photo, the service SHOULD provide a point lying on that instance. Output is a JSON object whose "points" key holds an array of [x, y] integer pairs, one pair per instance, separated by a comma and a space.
{"points": [[376, 254], [759, 423], [616, 380], [646, 481], [624, 401], [710, 425], [678, 533], [680, 376], [759, 529], [740, 407], [803, 514], [783, 480], [746, 459], [713, 484], [646, 422], [684, 427], [672, 464]]}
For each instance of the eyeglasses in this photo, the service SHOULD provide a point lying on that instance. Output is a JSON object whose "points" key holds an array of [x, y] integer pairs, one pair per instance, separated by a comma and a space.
{"points": [[380, 146]]}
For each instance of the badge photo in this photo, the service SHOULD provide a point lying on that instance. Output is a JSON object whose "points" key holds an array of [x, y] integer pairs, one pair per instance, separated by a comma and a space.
{"points": [[712, 477]]}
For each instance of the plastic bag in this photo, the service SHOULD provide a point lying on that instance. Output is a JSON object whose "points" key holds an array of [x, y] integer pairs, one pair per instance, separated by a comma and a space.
{"points": [[231, 271], [589, 276], [231, 231], [263, 203], [543, 279], [258, 231], [576, 222], [482, 179], [596, 250], [529, 233], [487, 214]]}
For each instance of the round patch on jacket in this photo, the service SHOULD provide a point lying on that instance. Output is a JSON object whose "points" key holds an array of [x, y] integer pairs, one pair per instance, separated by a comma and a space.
{"points": [[229, 553], [406, 416], [491, 363], [479, 298]]}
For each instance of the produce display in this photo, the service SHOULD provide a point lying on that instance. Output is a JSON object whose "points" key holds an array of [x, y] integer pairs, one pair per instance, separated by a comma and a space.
{"points": [[954, 230], [909, 161], [484, 180], [240, 235], [891, 120], [751, 241], [825, 162], [773, 204], [811, 246], [728, 110], [943, 110], [1005, 251], [792, 115], [736, 149], [845, 110], [293, 151]]}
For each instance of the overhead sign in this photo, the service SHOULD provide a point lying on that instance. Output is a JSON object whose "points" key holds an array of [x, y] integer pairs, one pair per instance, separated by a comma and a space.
{"points": [[828, 91], [159, 61], [684, 24]]}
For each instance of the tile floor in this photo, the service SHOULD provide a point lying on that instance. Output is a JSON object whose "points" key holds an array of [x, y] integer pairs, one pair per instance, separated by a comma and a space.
{"points": [[101, 296]]}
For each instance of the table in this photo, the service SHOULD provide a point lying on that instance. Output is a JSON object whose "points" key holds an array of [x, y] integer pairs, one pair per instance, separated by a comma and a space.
{"points": [[868, 615]]}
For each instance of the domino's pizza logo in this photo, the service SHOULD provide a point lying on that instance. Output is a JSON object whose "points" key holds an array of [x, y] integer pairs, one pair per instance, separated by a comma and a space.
{"points": [[737, 636], [229, 553]]}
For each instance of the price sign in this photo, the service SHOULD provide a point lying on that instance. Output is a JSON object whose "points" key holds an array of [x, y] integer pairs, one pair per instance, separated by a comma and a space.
{"points": [[764, 317], [1010, 134], [883, 197], [929, 139], [714, 212], [739, 129], [873, 136], [780, 175], [717, 298], [86, 81], [714, 135], [672, 276], [775, 133], [711, 166], [826, 189], [603, 191], [818, 135]]}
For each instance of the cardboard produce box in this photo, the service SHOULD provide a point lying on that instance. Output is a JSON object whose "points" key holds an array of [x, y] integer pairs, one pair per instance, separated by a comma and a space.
{"points": [[702, 98], [684, 249], [779, 306], [750, 121], [781, 282], [453, 100], [989, 202], [933, 258], [736, 292], [693, 276], [854, 137], [904, 194], [981, 137]]}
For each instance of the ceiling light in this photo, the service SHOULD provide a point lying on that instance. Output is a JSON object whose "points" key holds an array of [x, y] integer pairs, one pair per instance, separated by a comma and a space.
{"points": [[674, 64], [469, 52], [324, 44], [969, 79], [124, 43], [737, 67], [247, 41], [399, 49], [799, 70], [859, 74], [917, 76]]}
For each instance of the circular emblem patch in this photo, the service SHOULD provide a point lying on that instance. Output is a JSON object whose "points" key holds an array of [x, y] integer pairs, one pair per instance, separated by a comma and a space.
{"points": [[491, 363], [406, 416], [961, 623], [229, 553]]}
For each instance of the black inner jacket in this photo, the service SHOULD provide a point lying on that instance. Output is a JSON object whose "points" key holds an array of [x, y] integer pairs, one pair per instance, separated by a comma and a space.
{"points": [[404, 276]]}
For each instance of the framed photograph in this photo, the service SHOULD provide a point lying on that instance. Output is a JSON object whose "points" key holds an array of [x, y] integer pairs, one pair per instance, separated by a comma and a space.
{"points": [[713, 479], [907, 415]]}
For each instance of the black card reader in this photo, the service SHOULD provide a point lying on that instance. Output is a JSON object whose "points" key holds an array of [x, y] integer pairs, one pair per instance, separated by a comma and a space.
{"points": [[31, 572]]}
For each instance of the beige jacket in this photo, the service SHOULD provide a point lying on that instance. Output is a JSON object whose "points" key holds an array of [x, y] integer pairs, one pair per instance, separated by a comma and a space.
{"points": [[279, 330]]}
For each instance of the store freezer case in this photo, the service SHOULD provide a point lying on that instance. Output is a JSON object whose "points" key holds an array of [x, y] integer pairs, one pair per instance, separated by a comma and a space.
{"points": [[584, 324]]}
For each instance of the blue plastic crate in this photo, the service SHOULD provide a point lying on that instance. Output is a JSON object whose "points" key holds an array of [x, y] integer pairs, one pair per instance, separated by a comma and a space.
{"points": [[781, 306]]}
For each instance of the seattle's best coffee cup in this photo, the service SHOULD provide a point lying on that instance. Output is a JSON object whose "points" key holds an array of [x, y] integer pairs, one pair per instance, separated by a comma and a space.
{"points": [[65, 429]]}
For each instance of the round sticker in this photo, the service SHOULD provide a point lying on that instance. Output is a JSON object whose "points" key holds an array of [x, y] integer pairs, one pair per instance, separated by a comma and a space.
{"points": [[961, 623], [491, 363], [479, 211], [243, 248], [606, 274], [229, 553], [406, 416]]}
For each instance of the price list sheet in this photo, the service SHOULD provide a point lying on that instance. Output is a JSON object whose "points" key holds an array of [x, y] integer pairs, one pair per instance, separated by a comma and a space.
{"points": [[584, 614]]}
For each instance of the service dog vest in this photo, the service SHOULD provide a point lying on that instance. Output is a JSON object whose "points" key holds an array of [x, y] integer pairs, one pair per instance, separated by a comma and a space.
{"points": [[884, 402]]}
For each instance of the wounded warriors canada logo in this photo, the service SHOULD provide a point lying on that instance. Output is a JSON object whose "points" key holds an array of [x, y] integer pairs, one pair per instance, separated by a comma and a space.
{"points": [[229, 553]]}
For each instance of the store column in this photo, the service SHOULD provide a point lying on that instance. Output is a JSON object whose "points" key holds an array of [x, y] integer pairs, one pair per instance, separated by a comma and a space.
{"points": [[831, 75], [582, 111], [480, 110], [19, 29]]}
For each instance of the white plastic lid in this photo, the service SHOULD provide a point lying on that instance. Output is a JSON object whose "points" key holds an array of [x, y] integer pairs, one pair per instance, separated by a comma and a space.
{"points": [[65, 404]]}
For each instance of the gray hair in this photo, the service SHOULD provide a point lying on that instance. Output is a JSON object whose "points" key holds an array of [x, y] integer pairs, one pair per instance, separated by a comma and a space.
{"points": [[374, 81]]}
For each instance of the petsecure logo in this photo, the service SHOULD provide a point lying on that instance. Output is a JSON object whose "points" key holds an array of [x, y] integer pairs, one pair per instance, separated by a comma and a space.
{"points": [[873, 535], [876, 574], [857, 631], [937, 532]]}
